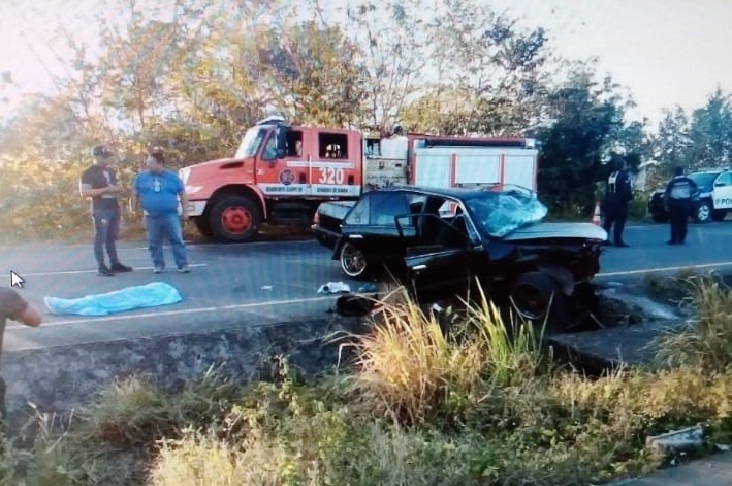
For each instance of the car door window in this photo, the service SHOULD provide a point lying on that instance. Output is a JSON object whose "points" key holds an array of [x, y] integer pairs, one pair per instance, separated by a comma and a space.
{"points": [[386, 206], [725, 179]]}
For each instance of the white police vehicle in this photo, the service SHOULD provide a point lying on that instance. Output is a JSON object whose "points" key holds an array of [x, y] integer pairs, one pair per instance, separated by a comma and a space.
{"points": [[712, 203]]}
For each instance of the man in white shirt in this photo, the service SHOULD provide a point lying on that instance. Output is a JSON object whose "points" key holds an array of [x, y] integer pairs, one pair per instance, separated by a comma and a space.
{"points": [[396, 146]]}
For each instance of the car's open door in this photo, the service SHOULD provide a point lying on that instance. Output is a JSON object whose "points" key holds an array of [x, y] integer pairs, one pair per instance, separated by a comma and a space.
{"points": [[439, 262]]}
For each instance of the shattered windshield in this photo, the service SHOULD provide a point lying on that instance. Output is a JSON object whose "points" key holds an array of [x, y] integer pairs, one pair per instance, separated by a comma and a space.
{"points": [[499, 212], [250, 143]]}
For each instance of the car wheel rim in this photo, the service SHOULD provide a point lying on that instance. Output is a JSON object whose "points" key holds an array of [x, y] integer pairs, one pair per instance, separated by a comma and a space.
{"points": [[352, 260], [703, 212], [528, 302]]}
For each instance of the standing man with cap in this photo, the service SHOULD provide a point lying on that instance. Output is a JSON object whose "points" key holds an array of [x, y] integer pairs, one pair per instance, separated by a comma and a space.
{"points": [[617, 199], [99, 183], [679, 192]]}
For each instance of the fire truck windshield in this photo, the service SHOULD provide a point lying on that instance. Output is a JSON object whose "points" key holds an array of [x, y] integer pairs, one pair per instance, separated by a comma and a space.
{"points": [[250, 143]]}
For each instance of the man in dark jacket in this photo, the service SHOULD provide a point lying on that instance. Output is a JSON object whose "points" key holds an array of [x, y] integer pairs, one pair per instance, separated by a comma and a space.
{"points": [[679, 192], [99, 183], [618, 195]]}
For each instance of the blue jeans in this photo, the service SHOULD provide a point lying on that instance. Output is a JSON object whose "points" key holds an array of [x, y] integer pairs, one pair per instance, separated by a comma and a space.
{"points": [[157, 227]]}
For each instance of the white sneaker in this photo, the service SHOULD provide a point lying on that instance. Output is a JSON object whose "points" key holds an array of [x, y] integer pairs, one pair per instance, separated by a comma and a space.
{"points": [[184, 269], [158, 270]]}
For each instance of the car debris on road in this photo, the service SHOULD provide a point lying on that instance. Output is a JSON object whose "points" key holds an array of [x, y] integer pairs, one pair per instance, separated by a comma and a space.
{"points": [[334, 288]]}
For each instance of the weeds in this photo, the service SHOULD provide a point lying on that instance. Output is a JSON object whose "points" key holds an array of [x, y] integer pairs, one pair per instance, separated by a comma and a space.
{"points": [[707, 342], [476, 405]]}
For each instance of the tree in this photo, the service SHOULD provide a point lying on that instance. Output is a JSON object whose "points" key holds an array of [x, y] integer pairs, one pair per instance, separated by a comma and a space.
{"points": [[711, 132], [135, 65], [491, 71], [317, 72], [392, 54], [586, 117], [671, 144]]}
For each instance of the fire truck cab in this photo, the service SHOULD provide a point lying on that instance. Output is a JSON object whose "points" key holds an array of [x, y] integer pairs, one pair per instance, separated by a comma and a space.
{"points": [[281, 173]]}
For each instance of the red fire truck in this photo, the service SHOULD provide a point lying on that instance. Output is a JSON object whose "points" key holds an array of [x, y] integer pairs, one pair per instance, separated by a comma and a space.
{"points": [[281, 173]]}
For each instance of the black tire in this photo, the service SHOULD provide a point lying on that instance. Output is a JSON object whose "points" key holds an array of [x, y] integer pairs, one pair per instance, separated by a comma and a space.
{"points": [[235, 218], [660, 217], [538, 299], [203, 226], [703, 212], [719, 215], [353, 262]]}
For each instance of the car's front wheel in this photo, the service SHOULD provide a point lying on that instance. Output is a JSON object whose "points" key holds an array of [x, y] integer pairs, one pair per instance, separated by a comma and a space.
{"points": [[537, 298], [353, 262]]}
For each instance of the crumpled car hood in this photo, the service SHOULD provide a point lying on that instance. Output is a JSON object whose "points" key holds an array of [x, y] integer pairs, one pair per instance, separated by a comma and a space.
{"points": [[557, 230]]}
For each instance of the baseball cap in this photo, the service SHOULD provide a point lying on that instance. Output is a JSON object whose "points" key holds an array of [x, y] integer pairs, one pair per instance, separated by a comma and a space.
{"points": [[102, 151]]}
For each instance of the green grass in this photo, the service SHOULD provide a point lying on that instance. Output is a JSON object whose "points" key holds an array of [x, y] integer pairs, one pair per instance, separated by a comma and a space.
{"points": [[479, 405]]}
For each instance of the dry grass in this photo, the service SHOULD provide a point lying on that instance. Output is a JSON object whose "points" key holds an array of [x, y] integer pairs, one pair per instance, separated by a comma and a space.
{"points": [[707, 342], [411, 368], [478, 405]]}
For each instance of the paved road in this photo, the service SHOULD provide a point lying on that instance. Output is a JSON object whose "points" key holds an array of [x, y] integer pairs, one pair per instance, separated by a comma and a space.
{"points": [[255, 283]]}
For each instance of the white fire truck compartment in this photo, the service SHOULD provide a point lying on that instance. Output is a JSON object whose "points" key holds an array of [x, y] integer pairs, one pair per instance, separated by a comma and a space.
{"points": [[452, 166]]}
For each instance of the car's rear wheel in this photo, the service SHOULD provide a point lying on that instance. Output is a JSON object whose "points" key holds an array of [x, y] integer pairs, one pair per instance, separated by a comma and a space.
{"points": [[353, 261], [703, 213], [537, 298], [660, 217]]}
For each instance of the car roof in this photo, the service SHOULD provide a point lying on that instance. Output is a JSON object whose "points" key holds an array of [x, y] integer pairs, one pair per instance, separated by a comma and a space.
{"points": [[710, 171]]}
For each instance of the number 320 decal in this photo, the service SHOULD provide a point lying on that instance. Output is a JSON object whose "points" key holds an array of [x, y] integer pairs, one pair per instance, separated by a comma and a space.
{"points": [[331, 175]]}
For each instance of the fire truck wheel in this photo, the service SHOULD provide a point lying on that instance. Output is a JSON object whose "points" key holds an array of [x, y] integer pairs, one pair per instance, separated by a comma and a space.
{"points": [[235, 218]]}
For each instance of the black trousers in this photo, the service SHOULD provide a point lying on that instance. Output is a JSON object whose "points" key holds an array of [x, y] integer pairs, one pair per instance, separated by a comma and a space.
{"points": [[106, 232], [616, 213], [679, 210]]}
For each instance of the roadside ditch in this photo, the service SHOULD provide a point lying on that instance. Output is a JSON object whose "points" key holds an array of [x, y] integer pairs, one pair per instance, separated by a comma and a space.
{"points": [[58, 379]]}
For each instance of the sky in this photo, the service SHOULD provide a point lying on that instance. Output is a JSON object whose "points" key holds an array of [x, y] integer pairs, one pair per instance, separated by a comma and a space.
{"points": [[666, 52]]}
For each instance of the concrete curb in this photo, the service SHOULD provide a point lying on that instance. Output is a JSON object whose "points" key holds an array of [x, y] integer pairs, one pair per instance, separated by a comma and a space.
{"points": [[60, 378]]}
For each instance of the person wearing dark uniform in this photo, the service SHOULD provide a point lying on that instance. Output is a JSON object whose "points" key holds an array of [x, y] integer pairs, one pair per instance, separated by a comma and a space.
{"points": [[99, 183], [617, 198], [679, 192]]}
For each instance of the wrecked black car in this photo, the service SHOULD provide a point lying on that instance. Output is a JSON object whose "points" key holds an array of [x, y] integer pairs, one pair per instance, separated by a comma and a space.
{"points": [[441, 241]]}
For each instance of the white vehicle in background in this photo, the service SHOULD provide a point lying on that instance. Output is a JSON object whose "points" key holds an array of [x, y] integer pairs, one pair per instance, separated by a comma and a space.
{"points": [[712, 203]]}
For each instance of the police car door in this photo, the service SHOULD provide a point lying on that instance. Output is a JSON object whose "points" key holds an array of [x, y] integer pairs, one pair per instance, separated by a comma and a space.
{"points": [[722, 191]]}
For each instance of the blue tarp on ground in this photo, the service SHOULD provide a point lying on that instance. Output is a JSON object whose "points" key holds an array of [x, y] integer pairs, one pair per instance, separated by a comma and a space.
{"points": [[150, 295]]}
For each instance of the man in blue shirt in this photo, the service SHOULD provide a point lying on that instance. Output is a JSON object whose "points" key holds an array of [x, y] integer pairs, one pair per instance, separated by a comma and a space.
{"points": [[157, 191]]}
